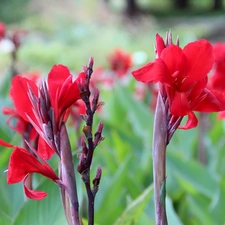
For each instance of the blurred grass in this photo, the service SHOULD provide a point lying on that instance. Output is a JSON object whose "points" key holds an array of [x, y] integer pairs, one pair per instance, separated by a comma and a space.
{"points": [[80, 30]]}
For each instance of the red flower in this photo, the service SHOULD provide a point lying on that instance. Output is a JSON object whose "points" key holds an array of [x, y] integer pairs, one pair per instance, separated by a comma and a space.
{"points": [[120, 62], [45, 107], [2, 30], [183, 74], [62, 90], [22, 163]]}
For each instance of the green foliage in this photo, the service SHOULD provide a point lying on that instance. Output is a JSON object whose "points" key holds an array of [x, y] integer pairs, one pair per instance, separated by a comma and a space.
{"points": [[195, 192], [7, 7]]}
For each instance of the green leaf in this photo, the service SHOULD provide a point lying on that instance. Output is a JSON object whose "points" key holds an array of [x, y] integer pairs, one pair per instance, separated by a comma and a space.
{"points": [[11, 198], [5, 131], [199, 208], [171, 214], [196, 175], [134, 210], [111, 196], [48, 211], [138, 113], [4, 219], [218, 204]]}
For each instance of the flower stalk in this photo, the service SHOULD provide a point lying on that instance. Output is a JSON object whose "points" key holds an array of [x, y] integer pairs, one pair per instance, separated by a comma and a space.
{"points": [[92, 141], [68, 179], [159, 161]]}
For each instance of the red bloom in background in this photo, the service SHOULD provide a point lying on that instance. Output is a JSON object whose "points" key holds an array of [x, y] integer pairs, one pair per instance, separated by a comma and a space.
{"points": [[183, 74], [120, 62], [22, 163], [2, 30], [217, 80]]}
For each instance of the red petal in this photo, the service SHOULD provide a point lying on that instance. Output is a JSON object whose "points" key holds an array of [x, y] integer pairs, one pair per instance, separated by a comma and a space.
{"points": [[69, 94], [22, 163], [153, 72], [175, 60], [200, 60], [81, 78], [179, 105], [160, 45], [192, 122], [221, 115], [210, 101], [196, 90], [9, 111], [19, 94], [34, 194], [3, 143], [56, 78], [218, 80], [44, 150]]}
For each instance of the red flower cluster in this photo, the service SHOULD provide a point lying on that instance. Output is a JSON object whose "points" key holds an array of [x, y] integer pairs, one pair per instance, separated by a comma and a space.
{"points": [[46, 108], [182, 74], [120, 62]]}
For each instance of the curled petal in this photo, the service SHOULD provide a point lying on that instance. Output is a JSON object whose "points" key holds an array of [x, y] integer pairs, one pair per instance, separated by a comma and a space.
{"points": [[192, 122], [33, 194]]}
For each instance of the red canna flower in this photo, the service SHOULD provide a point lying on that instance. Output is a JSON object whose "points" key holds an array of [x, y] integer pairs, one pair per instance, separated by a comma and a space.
{"points": [[120, 62], [22, 163], [46, 107], [63, 92], [183, 76]]}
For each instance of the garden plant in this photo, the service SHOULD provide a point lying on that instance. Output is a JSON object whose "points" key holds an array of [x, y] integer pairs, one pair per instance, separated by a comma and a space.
{"points": [[123, 143]]}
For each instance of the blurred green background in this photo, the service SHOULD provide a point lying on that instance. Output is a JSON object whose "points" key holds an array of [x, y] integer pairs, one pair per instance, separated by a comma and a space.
{"points": [[69, 32]]}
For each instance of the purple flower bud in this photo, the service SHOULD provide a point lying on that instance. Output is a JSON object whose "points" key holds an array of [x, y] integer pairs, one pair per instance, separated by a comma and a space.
{"points": [[97, 178]]}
